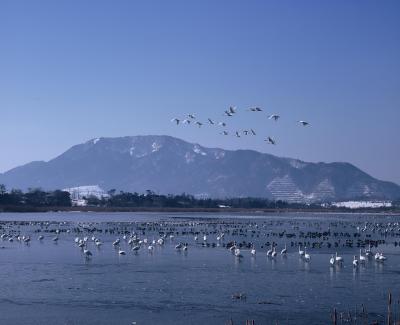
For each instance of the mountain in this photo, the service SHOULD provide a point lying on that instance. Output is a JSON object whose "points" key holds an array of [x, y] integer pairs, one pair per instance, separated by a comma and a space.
{"points": [[172, 166]]}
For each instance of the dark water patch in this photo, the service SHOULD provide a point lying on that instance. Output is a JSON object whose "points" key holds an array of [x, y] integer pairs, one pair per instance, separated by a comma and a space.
{"points": [[13, 302], [267, 302], [43, 280]]}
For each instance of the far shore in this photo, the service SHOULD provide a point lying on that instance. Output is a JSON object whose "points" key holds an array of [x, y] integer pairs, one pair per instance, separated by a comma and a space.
{"points": [[31, 209]]}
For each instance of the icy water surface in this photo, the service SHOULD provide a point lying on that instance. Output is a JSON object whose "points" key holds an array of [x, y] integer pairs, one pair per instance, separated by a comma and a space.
{"points": [[52, 282]]}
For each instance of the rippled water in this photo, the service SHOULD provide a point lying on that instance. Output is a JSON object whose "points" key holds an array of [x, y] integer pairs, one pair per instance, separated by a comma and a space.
{"points": [[44, 282]]}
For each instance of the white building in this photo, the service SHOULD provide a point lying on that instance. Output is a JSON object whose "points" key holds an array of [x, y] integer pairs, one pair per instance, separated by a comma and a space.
{"points": [[79, 193]]}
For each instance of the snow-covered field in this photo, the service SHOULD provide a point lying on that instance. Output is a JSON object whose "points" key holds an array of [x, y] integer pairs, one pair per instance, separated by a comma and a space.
{"points": [[362, 204]]}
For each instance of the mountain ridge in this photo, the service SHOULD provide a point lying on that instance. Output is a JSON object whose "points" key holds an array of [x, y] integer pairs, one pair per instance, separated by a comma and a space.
{"points": [[172, 166]]}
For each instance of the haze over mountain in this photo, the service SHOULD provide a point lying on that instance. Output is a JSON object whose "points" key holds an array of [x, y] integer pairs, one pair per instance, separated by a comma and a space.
{"points": [[172, 166]]}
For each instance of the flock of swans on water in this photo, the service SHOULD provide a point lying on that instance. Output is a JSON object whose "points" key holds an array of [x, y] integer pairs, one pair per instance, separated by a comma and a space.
{"points": [[135, 243], [230, 112], [240, 236], [334, 260]]}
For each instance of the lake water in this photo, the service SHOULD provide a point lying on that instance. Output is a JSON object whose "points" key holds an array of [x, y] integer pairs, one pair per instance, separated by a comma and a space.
{"points": [[48, 282]]}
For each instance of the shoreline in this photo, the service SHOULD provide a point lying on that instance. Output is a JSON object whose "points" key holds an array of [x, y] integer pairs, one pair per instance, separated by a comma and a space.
{"points": [[30, 209]]}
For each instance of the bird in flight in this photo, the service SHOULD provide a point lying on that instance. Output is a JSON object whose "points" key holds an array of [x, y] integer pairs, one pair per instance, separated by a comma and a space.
{"points": [[231, 111], [227, 113], [274, 116], [304, 123], [255, 109], [270, 140]]}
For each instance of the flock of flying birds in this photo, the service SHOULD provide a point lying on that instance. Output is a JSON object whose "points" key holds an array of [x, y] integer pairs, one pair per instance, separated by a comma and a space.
{"points": [[232, 111]]}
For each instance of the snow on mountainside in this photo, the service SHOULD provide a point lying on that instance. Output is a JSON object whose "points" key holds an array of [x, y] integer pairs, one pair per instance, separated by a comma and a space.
{"points": [[169, 165]]}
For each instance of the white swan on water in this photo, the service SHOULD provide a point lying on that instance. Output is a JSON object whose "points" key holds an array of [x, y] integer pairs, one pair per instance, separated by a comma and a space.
{"points": [[355, 261], [307, 256], [338, 259], [380, 257], [362, 258], [237, 253]]}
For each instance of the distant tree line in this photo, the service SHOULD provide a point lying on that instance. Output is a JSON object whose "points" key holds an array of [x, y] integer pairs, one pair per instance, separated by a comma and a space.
{"points": [[34, 197], [153, 200]]}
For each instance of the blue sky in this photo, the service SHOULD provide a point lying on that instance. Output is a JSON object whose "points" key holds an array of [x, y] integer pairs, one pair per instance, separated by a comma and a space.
{"points": [[76, 70]]}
